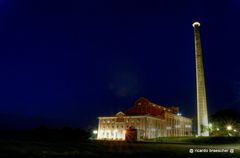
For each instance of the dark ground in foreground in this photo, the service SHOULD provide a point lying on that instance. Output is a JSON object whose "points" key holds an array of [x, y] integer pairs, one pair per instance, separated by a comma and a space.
{"points": [[31, 149]]}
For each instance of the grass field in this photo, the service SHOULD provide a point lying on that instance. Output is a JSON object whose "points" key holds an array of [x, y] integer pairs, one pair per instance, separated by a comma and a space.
{"points": [[31, 149]]}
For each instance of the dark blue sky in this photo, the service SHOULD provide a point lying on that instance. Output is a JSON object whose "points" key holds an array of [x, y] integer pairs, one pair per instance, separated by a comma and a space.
{"points": [[71, 61]]}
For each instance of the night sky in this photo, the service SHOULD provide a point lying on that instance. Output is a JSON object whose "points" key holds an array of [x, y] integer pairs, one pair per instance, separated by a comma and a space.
{"points": [[66, 62]]}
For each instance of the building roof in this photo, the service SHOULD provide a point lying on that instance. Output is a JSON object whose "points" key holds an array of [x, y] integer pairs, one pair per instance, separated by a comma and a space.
{"points": [[143, 106]]}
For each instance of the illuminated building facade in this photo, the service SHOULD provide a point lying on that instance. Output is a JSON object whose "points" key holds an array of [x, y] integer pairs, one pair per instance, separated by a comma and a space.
{"points": [[150, 120]]}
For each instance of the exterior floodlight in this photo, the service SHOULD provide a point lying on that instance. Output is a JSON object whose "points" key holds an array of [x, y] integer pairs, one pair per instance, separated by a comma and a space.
{"points": [[210, 125], [229, 127], [95, 132]]}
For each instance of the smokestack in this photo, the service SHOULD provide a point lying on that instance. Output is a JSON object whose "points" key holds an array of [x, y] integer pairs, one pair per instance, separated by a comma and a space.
{"points": [[202, 113]]}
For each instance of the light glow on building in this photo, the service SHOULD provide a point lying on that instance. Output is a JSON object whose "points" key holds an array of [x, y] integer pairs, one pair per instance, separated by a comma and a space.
{"points": [[179, 114], [149, 120]]}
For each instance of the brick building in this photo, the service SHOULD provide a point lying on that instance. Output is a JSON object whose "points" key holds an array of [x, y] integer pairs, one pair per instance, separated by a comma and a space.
{"points": [[150, 120]]}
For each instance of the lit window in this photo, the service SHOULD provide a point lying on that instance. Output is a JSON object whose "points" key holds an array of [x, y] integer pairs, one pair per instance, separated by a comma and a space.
{"points": [[177, 126], [168, 128]]}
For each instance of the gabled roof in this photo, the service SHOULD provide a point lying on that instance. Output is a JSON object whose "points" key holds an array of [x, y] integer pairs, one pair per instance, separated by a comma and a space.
{"points": [[143, 107], [120, 113]]}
